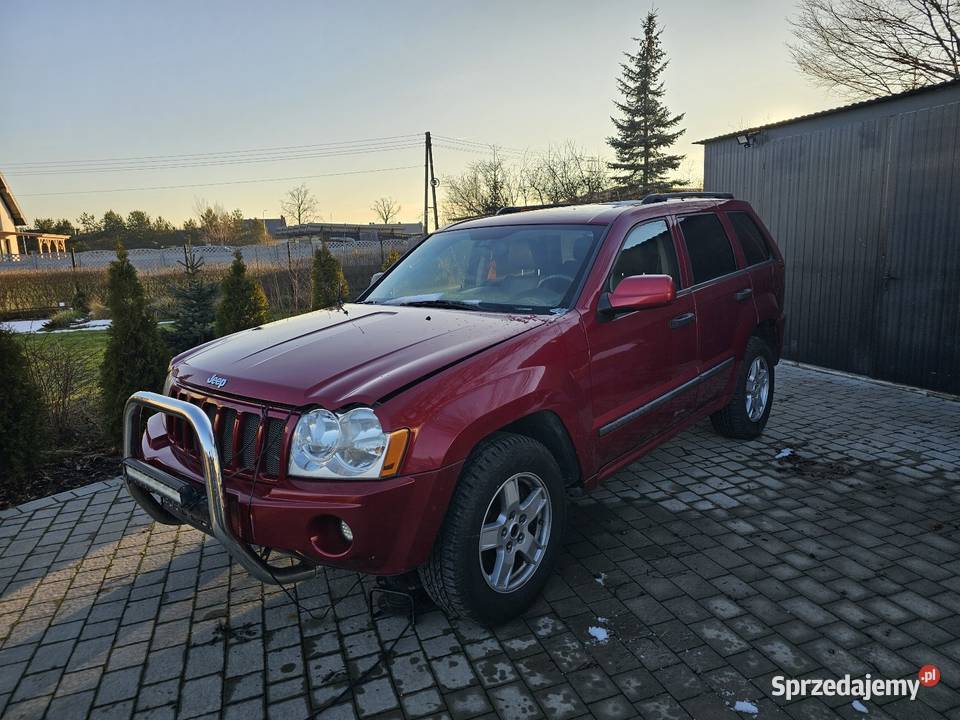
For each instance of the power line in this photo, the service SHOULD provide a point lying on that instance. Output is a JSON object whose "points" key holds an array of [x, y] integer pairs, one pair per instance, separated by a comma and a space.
{"points": [[93, 161], [226, 182], [221, 162], [474, 146]]}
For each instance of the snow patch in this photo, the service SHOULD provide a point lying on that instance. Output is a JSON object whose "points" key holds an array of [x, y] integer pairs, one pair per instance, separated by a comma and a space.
{"points": [[35, 326], [601, 635], [785, 453], [746, 707], [859, 707]]}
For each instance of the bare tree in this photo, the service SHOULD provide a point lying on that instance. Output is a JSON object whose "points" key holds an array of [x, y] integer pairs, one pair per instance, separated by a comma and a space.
{"points": [[563, 174], [300, 205], [872, 48], [216, 225], [386, 209], [485, 187]]}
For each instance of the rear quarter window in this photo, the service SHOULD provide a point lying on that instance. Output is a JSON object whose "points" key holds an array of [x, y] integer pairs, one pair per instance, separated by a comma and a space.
{"points": [[708, 247], [751, 237]]}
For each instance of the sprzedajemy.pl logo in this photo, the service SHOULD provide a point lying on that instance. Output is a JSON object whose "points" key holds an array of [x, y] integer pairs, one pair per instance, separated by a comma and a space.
{"points": [[865, 687]]}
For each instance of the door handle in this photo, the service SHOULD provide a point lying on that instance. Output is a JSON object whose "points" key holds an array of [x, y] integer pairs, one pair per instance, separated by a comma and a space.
{"points": [[680, 320], [744, 294]]}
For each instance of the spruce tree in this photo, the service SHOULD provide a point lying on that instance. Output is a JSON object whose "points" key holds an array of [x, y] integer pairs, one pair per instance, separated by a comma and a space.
{"points": [[329, 284], [645, 130], [135, 358], [194, 311], [243, 304], [20, 415]]}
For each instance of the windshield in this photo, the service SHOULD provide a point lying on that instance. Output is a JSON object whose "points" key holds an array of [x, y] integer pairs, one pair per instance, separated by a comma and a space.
{"points": [[520, 268]]}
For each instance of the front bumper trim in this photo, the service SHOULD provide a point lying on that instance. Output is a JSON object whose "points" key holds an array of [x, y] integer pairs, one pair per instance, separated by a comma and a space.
{"points": [[140, 478]]}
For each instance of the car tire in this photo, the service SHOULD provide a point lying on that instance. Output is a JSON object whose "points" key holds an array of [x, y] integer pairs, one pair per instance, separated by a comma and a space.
{"points": [[744, 417], [506, 477]]}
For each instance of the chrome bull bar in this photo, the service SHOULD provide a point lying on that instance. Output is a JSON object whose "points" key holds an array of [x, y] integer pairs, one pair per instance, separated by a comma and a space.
{"points": [[141, 481]]}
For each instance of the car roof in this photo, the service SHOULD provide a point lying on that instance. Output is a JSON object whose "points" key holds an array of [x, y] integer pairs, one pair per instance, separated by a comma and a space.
{"points": [[594, 213]]}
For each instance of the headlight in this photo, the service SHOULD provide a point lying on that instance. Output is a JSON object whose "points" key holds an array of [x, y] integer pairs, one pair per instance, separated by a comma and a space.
{"points": [[168, 383], [362, 442], [347, 445], [315, 440]]}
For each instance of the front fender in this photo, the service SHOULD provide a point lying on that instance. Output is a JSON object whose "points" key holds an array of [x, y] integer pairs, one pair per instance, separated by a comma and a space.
{"points": [[449, 413]]}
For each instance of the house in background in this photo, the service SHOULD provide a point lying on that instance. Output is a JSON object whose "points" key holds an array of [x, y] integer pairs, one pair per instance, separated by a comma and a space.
{"points": [[15, 240], [11, 217], [274, 225]]}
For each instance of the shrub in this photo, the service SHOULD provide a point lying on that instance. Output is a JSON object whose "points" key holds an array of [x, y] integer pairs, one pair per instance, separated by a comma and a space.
{"points": [[63, 320], [135, 357], [99, 311], [66, 377], [390, 259], [242, 302], [20, 414], [329, 285], [80, 301], [194, 311]]}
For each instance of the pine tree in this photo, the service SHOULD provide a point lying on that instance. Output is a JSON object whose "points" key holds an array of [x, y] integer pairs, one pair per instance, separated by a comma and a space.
{"points": [[243, 304], [329, 284], [194, 311], [135, 358], [20, 415], [645, 130], [390, 259]]}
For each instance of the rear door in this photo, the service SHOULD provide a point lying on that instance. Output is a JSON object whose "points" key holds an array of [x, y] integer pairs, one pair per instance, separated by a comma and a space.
{"points": [[723, 299], [640, 359]]}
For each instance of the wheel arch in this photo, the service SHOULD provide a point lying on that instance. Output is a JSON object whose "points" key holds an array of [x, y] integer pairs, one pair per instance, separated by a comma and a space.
{"points": [[768, 331], [547, 428]]}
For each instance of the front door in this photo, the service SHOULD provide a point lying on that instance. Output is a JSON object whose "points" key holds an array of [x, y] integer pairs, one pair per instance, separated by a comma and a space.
{"points": [[640, 360]]}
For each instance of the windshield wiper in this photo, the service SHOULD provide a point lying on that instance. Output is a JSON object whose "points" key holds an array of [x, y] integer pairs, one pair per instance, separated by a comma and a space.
{"points": [[449, 304]]}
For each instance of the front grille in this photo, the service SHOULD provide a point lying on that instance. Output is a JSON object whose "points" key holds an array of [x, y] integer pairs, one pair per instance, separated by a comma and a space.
{"points": [[238, 434]]}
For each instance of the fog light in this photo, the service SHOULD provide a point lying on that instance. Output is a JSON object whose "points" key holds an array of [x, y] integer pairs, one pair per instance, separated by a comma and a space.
{"points": [[346, 531]]}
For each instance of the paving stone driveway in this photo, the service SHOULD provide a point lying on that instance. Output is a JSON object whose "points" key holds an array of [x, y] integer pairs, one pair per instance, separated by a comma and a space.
{"points": [[687, 582]]}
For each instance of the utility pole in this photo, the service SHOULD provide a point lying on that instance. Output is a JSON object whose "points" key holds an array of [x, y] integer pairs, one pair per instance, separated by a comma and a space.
{"points": [[430, 183], [426, 182]]}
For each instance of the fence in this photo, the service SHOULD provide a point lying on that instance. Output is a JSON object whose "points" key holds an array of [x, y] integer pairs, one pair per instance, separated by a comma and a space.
{"points": [[35, 285], [364, 252]]}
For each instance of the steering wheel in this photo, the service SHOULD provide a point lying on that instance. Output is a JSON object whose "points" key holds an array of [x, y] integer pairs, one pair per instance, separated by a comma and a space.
{"points": [[550, 278]]}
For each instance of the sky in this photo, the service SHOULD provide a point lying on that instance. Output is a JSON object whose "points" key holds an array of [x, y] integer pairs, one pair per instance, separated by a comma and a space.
{"points": [[130, 79]]}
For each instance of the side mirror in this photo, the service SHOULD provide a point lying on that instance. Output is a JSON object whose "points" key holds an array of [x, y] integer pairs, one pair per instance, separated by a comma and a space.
{"points": [[376, 276], [637, 292]]}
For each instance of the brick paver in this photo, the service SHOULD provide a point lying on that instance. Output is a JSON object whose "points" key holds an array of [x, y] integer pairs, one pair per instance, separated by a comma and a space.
{"points": [[711, 565]]}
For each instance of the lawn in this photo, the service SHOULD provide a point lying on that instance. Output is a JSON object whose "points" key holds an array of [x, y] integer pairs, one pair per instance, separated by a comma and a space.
{"points": [[88, 344]]}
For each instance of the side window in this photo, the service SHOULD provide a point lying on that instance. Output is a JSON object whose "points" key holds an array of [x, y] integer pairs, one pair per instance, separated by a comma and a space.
{"points": [[754, 244], [647, 250], [711, 254]]}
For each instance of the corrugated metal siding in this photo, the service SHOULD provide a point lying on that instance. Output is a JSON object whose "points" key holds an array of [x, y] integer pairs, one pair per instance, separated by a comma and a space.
{"points": [[867, 214]]}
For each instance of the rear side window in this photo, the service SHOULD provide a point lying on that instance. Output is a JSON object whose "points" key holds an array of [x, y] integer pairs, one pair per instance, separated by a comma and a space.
{"points": [[754, 244], [711, 254], [647, 250]]}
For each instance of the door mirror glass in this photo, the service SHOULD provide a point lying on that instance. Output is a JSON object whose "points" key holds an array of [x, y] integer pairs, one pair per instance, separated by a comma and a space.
{"points": [[639, 291], [376, 276]]}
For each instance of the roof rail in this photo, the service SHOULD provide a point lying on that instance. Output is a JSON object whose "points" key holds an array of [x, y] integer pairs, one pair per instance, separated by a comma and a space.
{"points": [[511, 209], [686, 195]]}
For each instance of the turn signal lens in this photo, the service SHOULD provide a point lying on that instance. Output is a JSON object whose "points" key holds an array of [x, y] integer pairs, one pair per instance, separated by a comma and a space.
{"points": [[396, 446]]}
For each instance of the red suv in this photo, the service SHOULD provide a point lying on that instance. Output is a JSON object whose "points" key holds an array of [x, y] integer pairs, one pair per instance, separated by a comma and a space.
{"points": [[437, 423]]}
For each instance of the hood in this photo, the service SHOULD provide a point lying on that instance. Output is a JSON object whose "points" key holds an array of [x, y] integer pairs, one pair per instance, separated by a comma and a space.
{"points": [[335, 358]]}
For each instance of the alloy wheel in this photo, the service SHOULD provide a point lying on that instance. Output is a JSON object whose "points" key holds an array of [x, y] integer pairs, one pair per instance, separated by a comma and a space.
{"points": [[757, 389], [515, 532]]}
